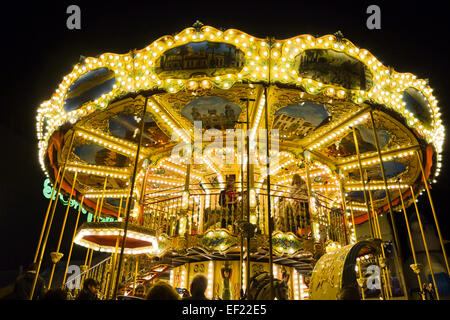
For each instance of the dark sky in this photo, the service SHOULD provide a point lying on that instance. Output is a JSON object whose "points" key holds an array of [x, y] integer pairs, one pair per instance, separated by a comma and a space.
{"points": [[38, 50]]}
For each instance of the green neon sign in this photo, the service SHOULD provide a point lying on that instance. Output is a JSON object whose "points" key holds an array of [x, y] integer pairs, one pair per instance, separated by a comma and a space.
{"points": [[47, 191]]}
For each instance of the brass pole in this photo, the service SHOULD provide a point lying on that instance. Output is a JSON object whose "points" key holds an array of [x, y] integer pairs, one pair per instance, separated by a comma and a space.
{"points": [[269, 203], [309, 192], [135, 275], [330, 233], [214, 278], [108, 278], [363, 182], [425, 182], [383, 254], [376, 226], [63, 228], [186, 189], [90, 261], [188, 273], [269, 208], [409, 235], [344, 207], [388, 196], [241, 253], [97, 205], [102, 199], [424, 243], [46, 215], [308, 177], [114, 259], [142, 200], [51, 217], [127, 217], [71, 244], [356, 240], [383, 290], [89, 251], [360, 275], [98, 214], [353, 223], [248, 203]]}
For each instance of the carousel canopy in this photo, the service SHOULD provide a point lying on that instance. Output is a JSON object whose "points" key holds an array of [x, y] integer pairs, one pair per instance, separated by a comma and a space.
{"points": [[319, 92]]}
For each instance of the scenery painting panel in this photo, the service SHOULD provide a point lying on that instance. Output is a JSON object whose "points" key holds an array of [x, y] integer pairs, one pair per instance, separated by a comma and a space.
{"points": [[204, 58], [366, 142], [358, 196], [392, 169], [90, 86], [332, 67], [298, 120], [416, 103], [213, 112], [100, 156], [97, 182]]}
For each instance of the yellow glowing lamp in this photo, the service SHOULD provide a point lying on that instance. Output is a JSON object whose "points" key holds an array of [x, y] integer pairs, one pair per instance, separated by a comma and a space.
{"points": [[252, 198], [182, 225], [185, 200]]}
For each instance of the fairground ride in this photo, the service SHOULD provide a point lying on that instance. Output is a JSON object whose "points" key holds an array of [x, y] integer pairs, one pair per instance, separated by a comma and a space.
{"points": [[350, 140]]}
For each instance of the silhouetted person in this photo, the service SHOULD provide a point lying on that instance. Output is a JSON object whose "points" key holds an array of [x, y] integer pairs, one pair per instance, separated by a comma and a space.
{"points": [[198, 288], [24, 285], [162, 291], [90, 290], [428, 292]]}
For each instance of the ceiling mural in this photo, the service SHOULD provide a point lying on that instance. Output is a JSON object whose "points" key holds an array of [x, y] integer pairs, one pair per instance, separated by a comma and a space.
{"points": [[88, 87], [98, 155], [297, 120], [392, 169], [358, 196], [213, 112], [175, 103], [366, 142], [94, 182], [126, 126], [338, 110]]}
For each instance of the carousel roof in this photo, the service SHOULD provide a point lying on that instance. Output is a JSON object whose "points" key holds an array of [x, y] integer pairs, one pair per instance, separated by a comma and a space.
{"points": [[317, 90]]}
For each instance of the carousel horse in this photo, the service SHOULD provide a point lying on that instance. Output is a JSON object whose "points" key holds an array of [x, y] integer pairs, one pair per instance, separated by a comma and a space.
{"points": [[259, 288]]}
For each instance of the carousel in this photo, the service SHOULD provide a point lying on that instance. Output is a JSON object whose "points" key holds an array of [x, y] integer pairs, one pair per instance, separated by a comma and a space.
{"points": [[251, 161]]}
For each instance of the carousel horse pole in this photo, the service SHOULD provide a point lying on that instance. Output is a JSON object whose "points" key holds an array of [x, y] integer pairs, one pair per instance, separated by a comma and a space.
{"points": [[39, 262], [127, 216]]}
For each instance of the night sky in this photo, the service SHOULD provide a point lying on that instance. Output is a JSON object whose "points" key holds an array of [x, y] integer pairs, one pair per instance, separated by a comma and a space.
{"points": [[38, 50]]}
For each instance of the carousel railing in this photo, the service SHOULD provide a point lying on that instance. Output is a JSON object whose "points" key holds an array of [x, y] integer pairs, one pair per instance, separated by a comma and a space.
{"points": [[174, 212], [98, 272]]}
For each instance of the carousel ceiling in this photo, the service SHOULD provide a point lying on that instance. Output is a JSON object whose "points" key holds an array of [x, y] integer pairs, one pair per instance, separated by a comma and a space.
{"points": [[319, 93]]}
